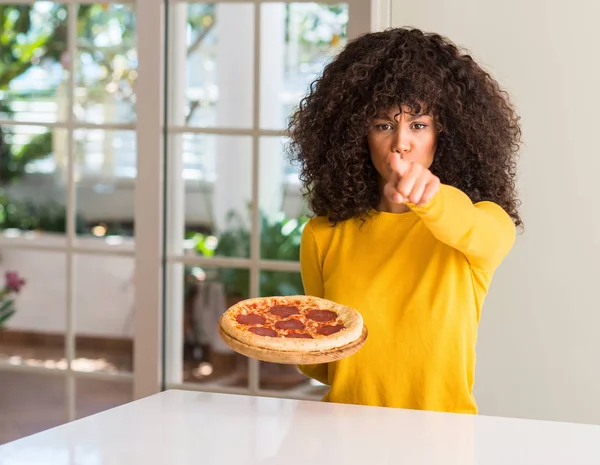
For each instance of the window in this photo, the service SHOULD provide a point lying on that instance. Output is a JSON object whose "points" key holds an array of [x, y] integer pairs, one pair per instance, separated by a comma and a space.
{"points": [[234, 207], [81, 172], [67, 113]]}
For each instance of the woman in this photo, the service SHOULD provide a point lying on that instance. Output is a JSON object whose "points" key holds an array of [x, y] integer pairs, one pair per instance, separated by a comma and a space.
{"points": [[407, 149]]}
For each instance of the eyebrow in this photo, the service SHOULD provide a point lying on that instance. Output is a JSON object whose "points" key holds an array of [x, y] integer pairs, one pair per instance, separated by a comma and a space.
{"points": [[414, 117], [383, 116], [411, 118]]}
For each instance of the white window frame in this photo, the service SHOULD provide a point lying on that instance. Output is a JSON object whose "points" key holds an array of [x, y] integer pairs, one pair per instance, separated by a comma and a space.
{"points": [[72, 246], [149, 362], [360, 21]]}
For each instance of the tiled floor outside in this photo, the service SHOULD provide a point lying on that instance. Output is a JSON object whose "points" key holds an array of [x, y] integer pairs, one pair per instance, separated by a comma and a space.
{"points": [[30, 403]]}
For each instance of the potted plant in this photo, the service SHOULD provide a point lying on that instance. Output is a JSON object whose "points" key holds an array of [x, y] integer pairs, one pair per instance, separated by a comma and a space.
{"points": [[279, 240], [12, 285]]}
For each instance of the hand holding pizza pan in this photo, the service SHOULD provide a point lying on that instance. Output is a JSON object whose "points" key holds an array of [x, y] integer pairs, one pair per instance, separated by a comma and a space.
{"points": [[295, 330]]}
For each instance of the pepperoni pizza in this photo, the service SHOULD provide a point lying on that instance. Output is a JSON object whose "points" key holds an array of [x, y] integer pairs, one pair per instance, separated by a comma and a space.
{"points": [[292, 323]]}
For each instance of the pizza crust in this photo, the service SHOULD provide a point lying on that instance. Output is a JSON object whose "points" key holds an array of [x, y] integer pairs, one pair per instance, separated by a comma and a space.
{"points": [[352, 320]]}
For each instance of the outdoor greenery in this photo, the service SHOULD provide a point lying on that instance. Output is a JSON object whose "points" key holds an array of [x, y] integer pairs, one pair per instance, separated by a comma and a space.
{"points": [[33, 36], [279, 240], [28, 216]]}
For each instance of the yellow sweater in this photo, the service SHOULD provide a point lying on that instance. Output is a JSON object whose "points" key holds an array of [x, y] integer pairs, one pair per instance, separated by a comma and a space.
{"points": [[419, 279]]}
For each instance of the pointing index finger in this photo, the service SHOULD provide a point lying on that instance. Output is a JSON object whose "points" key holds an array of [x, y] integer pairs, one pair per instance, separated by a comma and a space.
{"points": [[399, 165]]}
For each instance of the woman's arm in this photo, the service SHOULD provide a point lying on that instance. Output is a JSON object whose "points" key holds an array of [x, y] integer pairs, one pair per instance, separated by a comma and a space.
{"points": [[311, 269], [483, 232]]}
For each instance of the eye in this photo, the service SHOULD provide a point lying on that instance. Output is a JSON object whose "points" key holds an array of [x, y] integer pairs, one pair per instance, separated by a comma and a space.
{"points": [[419, 126], [384, 127]]}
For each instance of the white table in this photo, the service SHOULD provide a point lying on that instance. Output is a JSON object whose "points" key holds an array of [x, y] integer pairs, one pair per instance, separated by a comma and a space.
{"points": [[182, 427]]}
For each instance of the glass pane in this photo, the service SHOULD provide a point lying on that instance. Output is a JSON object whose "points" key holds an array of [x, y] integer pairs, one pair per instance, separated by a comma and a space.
{"points": [[200, 295], [216, 43], [274, 376], [105, 175], [33, 327], [33, 62], [104, 309], [106, 64], [30, 403], [209, 202], [95, 395], [33, 182], [301, 38], [283, 208]]}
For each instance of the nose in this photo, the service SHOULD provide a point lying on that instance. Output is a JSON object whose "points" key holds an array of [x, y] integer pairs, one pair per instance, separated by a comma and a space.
{"points": [[400, 141]]}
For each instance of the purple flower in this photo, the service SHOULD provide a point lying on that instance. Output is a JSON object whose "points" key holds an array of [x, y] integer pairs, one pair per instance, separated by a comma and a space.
{"points": [[13, 281]]}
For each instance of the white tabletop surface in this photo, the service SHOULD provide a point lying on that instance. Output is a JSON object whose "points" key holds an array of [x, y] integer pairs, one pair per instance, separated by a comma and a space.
{"points": [[182, 427]]}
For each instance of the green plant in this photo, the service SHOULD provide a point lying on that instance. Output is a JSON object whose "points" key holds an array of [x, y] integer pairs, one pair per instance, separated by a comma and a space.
{"points": [[28, 216], [36, 35], [279, 240], [14, 159], [28, 37]]}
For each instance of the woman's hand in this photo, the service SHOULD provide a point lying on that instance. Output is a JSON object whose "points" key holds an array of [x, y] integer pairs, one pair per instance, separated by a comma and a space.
{"points": [[410, 182]]}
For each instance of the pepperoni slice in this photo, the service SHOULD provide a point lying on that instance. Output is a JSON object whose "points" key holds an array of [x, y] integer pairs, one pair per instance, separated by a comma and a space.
{"points": [[321, 315], [251, 319], [289, 324], [327, 330], [285, 311], [299, 335], [268, 332]]}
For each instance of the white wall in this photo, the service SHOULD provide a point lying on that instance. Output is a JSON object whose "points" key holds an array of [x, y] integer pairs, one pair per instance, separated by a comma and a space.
{"points": [[539, 344], [103, 297]]}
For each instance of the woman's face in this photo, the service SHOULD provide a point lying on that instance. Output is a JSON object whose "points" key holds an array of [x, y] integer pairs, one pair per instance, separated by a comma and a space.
{"points": [[411, 135]]}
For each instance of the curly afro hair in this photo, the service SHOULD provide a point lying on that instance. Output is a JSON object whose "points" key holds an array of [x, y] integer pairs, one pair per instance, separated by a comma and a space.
{"points": [[478, 130]]}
